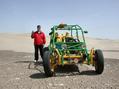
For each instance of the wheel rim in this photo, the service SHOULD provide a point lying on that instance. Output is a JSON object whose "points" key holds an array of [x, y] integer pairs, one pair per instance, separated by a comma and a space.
{"points": [[51, 63], [95, 62]]}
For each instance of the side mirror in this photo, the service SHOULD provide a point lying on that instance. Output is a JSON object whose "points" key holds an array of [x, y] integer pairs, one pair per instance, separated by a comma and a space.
{"points": [[50, 33], [85, 31]]}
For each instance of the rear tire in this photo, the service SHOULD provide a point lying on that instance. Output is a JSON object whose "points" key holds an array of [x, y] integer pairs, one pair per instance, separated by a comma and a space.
{"points": [[45, 49], [46, 64], [99, 61]]}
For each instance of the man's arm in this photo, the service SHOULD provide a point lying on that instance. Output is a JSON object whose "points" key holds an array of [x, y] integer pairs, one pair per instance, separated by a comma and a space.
{"points": [[32, 34], [44, 38]]}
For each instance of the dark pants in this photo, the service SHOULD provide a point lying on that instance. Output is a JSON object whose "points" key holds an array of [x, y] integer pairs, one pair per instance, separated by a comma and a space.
{"points": [[38, 47]]}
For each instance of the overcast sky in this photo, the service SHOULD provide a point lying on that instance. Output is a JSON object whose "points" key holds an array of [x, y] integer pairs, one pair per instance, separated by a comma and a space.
{"points": [[99, 17]]}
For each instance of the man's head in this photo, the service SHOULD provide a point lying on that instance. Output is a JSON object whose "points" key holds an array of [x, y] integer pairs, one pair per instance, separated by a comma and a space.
{"points": [[38, 28]]}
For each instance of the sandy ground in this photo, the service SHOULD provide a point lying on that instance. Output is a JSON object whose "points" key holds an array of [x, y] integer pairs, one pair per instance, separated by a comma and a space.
{"points": [[17, 70]]}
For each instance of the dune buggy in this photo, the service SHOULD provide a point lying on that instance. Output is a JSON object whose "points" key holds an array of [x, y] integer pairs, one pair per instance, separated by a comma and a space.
{"points": [[68, 47]]}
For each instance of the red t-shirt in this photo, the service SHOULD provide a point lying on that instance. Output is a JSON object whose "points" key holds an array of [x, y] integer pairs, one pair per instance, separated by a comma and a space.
{"points": [[39, 38]]}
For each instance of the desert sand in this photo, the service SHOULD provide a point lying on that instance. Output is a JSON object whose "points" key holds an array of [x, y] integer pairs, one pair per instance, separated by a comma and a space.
{"points": [[16, 56], [23, 43]]}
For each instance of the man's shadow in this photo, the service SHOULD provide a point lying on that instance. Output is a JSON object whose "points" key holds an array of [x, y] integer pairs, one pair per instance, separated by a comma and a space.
{"points": [[37, 66]]}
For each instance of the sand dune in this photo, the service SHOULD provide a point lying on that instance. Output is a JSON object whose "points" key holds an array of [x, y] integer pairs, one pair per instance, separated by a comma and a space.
{"points": [[23, 43]]}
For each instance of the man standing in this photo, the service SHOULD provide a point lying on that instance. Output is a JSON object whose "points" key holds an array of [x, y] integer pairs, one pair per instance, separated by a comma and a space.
{"points": [[39, 41]]}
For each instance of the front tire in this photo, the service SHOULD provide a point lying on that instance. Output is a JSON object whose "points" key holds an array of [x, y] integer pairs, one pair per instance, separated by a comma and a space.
{"points": [[99, 61], [46, 64]]}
